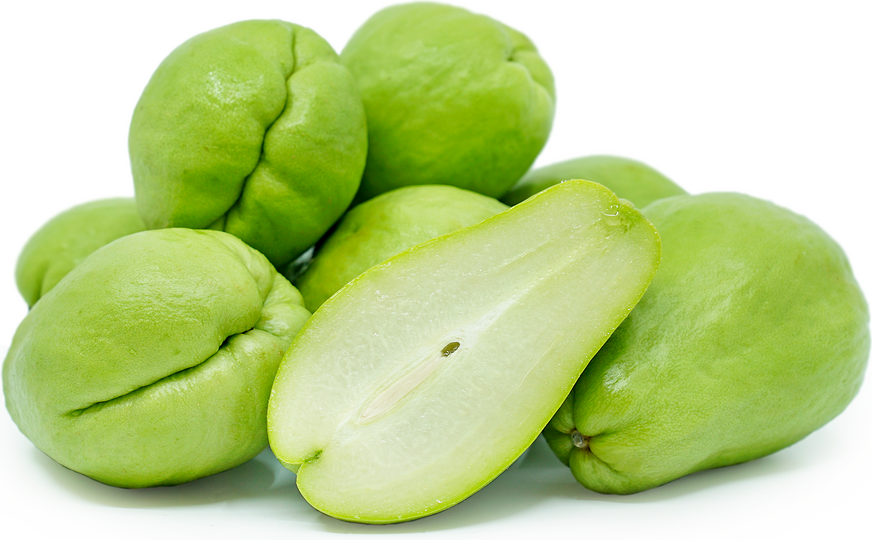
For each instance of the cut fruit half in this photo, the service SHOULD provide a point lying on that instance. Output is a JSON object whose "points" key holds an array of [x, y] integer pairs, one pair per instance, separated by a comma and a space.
{"points": [[429, 374]]}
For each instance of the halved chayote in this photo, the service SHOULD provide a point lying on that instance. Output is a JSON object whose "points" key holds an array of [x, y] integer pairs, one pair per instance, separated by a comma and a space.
{"points": [[383, 226], [255, 129], [423, 379], [65, 240], [753, 334], [151, 362], [633, 180], [451, 97]]}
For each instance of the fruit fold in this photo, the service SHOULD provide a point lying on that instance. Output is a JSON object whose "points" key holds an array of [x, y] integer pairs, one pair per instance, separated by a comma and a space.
{"points": [[151, 362], [255, 129]]}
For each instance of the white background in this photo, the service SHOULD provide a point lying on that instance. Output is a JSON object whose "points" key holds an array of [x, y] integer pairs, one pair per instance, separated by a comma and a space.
{"points": [[767, 98]]}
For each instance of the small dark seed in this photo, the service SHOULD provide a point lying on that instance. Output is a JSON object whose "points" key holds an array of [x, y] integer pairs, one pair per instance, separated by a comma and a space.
{"points": [[450, 348]]}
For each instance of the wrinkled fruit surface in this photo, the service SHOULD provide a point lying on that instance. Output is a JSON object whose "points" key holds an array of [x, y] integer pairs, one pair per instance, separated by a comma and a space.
{"points": [[151, 362], [451, 97], [255, 129], [752, 335]]}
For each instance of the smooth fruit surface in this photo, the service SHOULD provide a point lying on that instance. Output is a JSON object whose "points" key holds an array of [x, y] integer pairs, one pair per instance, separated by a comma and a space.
{"points": [[753, 334], [428, 375], [383, 226], [451, 97], [151, 362], [66, 239], [629, 179], [255, 129]]}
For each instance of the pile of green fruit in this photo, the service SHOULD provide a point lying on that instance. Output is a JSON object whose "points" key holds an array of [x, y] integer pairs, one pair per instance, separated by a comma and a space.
{"points": [[344, 257]]}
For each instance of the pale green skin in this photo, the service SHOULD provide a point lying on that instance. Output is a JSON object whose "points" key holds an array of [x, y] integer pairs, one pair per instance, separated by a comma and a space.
{"points": [[152, 361], [752, 335], [386, 225], [451, 97], [526, 297], [255, 129], [628, 178], [66, 239]]}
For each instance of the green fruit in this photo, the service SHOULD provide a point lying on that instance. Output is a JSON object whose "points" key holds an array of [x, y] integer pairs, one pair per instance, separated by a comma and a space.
{"points": [[65, 240], [255, 129], [629, 179], [386, 225], [752, 335], [152, 361], [424, 378], [451, 97]]}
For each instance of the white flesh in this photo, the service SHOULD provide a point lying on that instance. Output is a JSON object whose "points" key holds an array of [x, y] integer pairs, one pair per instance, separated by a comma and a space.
{"points": [[428, 375]]}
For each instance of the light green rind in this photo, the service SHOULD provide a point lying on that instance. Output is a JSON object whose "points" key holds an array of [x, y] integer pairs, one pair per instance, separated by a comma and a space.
{"points": [[451, 97], [255, 129], [628, 178], [528, 296], [65, 240], [380, 228], [152, 361], [753, 334]]}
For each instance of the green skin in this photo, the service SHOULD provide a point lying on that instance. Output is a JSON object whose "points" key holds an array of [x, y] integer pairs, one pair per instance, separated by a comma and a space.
{"points": [[451, 97], [151, 363], [380, 228], [429, 374], [255, 129], [752, 335], [629, 179], [65, 240]]}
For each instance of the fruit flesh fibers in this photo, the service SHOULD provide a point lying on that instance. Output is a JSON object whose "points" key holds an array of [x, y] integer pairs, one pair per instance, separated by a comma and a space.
{"points": [[424, 378]]}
